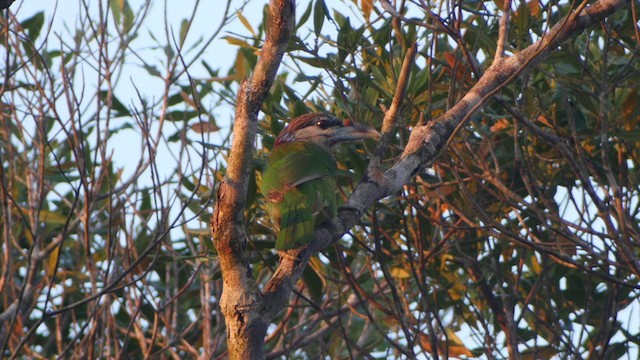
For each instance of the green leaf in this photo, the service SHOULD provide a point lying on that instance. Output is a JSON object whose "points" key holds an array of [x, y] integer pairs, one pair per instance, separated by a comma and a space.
{"points": [[184, 29], [129, 16], [146, 209], [34, 25], [210, 70], [312, 280], [178, 115], [175, 99], [344, 38], [212, 146], [305, 16], [319, 13], [305, 78], [152, 70], [116, 104], [116, 9], [314, 61]]}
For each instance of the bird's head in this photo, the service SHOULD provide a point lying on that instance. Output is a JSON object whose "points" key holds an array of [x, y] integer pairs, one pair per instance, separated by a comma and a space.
{"points": [[325, 130]]}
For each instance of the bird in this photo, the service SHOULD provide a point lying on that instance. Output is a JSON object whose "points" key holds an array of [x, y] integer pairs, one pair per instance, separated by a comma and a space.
{"points": [[298, 180]]}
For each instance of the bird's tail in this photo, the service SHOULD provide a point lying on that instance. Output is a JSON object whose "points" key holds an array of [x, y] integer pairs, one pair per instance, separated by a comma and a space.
{"points": [[296, 222]]}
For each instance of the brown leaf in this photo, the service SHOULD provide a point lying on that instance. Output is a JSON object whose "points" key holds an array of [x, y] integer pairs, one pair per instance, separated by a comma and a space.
{"points": [[205, 127], [500, 125], [367, 6], [534, 8], [186, 98], [455, 347]]}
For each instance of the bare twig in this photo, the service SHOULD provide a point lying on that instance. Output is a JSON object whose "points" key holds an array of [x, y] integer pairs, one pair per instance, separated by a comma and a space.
{"points": [[391, 116], [504, 31]]}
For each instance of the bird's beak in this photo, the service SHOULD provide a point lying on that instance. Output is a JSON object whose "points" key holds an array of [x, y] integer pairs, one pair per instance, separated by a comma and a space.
{"points": [[352, 131]]}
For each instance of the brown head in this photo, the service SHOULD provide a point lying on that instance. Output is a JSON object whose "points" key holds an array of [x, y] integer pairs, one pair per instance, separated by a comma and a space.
{"points": [[325, 130]]}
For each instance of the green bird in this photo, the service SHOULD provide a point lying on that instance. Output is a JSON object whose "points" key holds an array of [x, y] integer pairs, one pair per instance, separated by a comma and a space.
{"points": [[299, 182]]}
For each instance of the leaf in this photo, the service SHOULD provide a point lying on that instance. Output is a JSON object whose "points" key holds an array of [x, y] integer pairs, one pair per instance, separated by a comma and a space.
{"points": [[212, 146], [245, 22], [534, 8], [184, 29], [198, 232], [178, 115], [367, 6], [545, 352], [305, 78], [344, 43], [145, 208], [187, 99], [399, 273], [314, 61], [457, 290], [535, 265], [128, 17], [500, 125], [237, 42], [34, 25], [456, 346], [152, 70], [116, 9], [52, 217], [205, 127], [116, 104], [313, 281], [52, 261], [210, 70], [319, 13], [304, 17]]}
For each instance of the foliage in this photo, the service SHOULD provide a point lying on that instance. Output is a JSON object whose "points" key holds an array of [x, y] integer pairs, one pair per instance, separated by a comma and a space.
{"points": [[519, 241]]}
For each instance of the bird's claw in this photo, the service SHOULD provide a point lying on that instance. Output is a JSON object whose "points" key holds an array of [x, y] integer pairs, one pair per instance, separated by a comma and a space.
{"points": [[287, 255]]}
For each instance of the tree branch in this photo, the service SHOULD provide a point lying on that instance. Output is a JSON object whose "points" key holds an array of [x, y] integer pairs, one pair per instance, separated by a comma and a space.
{"points": [[240, 297]]}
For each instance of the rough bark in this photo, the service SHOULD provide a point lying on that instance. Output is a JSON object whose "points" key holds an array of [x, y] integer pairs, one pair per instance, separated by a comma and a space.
{"points": [[241, 298]]}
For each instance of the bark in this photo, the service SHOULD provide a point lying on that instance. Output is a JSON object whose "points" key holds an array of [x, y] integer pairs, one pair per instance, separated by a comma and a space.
{"points": [[241, 298], [246, 309]]}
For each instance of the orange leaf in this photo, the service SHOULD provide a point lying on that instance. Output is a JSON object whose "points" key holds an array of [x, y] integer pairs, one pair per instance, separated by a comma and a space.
{"points": [[500, 125], [367, 6], [450, 59], [534, 8]]}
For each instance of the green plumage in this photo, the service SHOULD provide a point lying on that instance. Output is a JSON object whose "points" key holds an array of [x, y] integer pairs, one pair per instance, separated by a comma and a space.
{"points": [[301, 191]]}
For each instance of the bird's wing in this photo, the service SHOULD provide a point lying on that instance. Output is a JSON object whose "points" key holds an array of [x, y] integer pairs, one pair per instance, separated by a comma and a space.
{"points": [[296, 221], [297, 182], [301, 209], [293, 164]]}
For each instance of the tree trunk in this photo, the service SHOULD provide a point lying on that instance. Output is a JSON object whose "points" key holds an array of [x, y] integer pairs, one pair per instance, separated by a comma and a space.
{"points": [[241, 299]]}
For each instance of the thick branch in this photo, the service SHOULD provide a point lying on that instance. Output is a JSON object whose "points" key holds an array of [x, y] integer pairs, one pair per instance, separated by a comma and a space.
{"points": [[240, 298]]}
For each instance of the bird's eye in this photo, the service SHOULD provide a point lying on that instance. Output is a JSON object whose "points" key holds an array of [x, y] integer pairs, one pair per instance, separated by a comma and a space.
{"points": [[322, 124]]}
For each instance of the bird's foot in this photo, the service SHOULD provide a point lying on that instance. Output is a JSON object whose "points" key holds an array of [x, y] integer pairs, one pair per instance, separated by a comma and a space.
{"points": [[288, 254]]}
